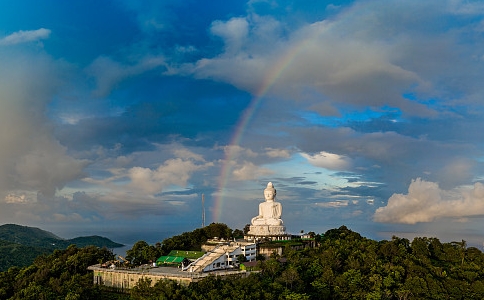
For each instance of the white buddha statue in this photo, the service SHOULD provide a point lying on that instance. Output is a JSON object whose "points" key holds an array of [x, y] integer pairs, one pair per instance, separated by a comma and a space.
{"points": [[270, 211]]}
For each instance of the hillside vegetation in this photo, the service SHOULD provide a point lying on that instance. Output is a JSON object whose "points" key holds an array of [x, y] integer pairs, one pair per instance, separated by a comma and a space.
{"points": [[60, 275], [20, 245], [345, 265], [13, 254]]}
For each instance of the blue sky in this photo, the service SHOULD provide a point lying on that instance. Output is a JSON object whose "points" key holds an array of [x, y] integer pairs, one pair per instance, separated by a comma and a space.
{"points": [[117, 116]]}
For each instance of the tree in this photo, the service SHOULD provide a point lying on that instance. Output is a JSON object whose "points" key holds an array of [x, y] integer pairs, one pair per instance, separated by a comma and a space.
{"points": [[61, 275], [194, 240], [142, 253], [344, 266], [271, 267], [246, 228], [219, 230], [238, 233], [260, 257], [289, 277], [462, 249], [142, 290], [241, 258]]}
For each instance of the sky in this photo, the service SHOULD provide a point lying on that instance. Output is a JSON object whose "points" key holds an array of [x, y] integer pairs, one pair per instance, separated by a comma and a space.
{"points": [[117, 116]]}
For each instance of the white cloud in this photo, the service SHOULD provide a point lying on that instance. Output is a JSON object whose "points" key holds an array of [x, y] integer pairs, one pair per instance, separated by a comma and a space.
{"points": [[350, 58], [328, 160], [184, 153], [21, 197], [173, 172], [426, 202], [344, 69], [143, 182], [234, 32], [249, 171], [25, 36], [341, 203], [278, 153], [236, 151]]}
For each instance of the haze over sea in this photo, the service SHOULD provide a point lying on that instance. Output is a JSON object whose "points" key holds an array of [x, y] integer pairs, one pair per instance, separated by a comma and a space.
{"points": [[118, 116]]}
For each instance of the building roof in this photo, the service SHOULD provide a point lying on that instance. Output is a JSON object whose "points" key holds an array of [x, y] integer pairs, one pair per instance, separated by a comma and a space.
{"points": [[250, 263], [187, 254], [170, 259], [207, 259]]}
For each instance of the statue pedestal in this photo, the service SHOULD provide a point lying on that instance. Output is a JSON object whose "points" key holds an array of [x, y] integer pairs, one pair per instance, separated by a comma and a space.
{"points": [[267, 230]]}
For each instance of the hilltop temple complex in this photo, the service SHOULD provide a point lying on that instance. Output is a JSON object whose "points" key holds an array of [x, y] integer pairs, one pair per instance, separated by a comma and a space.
{"points": [[219, 254]]}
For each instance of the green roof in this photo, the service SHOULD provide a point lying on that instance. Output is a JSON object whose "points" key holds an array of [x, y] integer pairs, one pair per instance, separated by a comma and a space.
{"points": [[187, 254], [170, 260]]}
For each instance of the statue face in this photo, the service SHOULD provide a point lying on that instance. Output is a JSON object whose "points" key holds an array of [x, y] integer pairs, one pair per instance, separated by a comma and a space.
{"points": [[269, 195]]}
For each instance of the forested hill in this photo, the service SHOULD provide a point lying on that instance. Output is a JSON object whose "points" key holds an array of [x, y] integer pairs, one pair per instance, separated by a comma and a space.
{"points": [[344, 265], [27, 236], [36, 237], [20, 245]]}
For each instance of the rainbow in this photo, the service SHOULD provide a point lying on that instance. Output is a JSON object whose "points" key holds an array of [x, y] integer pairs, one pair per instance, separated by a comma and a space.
{"points": [[273, 74]]}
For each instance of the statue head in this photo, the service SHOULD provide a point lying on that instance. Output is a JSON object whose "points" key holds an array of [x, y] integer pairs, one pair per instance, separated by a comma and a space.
{"points": [[270, 192]]}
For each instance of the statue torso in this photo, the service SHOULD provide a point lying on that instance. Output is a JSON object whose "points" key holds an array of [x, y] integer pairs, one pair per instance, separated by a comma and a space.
{"points": [[271, 210]]}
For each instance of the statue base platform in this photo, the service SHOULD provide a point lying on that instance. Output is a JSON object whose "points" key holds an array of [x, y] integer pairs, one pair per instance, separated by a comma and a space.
{"points": [[267, 230]]}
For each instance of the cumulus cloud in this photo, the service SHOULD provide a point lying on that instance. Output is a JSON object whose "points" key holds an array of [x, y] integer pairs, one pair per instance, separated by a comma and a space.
{"points": [[25, 36], [246, 164], [368, 56], [277, 153], [21, 197], [328, 160], [234, 32], [184, 153], [140, 182], [236, 151], [344, 69], [173, 172], [426, 202], [31, 159], [249, 171]]}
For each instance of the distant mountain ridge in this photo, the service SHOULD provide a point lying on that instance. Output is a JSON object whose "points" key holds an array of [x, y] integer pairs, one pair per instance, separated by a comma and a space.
{"points": [[36, 237], [20, 245]]}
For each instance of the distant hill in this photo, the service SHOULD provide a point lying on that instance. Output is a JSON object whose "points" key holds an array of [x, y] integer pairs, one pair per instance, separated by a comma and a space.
{"points": [[20, 245], [29, 236], [95, 240]]}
